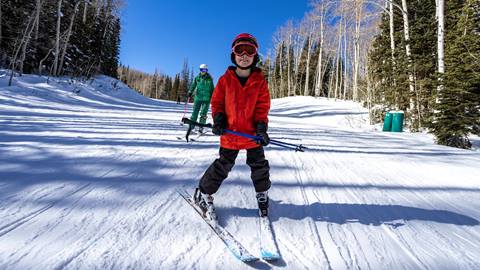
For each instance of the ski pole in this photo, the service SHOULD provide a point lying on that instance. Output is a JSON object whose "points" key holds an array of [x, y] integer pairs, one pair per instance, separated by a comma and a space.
{"points": [[274, 142], [290, 144], [185, 109], [295, 147], [186, 120], [256, 138], [192, 124]]}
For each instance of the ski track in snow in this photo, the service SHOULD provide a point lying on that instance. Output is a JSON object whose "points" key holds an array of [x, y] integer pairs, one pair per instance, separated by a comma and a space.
{"points": [[88, 180]]}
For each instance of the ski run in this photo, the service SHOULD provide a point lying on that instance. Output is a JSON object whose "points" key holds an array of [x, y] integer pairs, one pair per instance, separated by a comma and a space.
{"points": [[89, 173]]}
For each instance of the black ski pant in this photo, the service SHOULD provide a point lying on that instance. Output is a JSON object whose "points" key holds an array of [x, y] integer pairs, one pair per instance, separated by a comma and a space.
{"points": [[218, 171]]}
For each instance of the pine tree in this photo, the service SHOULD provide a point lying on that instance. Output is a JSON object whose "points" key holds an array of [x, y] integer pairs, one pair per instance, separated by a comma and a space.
{"points": [[184, 80], [277, 76], [300, 76], [423, 34], [313, 67], [173, 94], [390, 82], [382, 69], [458, 103], [153, 86], [167, 88], [328, 71]]}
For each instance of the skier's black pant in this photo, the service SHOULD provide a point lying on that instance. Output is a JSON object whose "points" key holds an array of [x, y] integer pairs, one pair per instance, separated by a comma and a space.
{"points": [[218, 171]]}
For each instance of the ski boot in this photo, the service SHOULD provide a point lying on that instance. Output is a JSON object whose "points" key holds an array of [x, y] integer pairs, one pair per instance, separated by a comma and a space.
{"points": [[262, 200], [205, 202]]}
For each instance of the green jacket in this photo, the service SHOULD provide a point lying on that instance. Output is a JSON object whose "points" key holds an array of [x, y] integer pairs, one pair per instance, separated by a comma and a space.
{"points": [[204, 86]]}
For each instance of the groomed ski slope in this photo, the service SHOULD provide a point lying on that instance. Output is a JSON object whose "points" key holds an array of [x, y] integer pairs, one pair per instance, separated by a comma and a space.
{"points": [[88, 174]]}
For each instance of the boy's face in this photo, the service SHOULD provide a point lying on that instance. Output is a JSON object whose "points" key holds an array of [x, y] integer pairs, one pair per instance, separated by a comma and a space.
{"points": [[244, 60]]}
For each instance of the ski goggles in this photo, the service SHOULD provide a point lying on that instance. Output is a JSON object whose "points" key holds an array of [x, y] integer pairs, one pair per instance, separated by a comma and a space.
{"points": [[203, 69], [244, 48]]}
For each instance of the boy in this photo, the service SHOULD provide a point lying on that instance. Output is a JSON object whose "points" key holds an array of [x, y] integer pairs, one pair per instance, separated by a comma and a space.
{"points": [[240, 102]]}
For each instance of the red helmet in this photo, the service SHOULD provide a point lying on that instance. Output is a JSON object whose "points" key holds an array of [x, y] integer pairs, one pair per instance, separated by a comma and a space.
{"points": [[246, 37]]}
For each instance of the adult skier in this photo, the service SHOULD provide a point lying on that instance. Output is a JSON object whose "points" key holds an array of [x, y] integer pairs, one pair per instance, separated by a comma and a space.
{"points": [[240, 102], [203, 85]]}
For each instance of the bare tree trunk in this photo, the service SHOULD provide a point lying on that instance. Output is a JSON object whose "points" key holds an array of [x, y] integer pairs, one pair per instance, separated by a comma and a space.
{"points": [[337, 60], [330, 82], [39, 4], [296, 62], [19, 45], [440, 44], [57, 39], [306, 90], [282, 81], [24, 50], [409, 55], [269, 74], [339, 49], [392, 40], [289, 81], [107, 15], [341, 82], [275, 82], [35, 25], [85, 6], [67, 38], [319, 82], [356, 54], [272, 81]]}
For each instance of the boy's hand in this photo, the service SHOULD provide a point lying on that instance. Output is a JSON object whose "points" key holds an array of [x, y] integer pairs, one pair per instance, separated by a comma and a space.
{"points": [[262, 132], [219, 124]]}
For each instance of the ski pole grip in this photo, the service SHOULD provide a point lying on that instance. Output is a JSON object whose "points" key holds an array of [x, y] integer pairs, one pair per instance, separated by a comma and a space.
{"points": [[186, 120]]}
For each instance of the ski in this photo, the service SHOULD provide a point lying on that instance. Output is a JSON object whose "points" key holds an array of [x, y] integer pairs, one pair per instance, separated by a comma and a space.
{"points": [[268, 247], [191, 138], [180, 138], [230, 242], [195, 138]]}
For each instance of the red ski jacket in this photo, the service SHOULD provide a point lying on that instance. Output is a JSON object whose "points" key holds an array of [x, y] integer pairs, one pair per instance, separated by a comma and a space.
{"points": [[244, 106]]}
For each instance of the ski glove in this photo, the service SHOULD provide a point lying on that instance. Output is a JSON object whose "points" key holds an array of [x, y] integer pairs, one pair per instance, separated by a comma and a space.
{"points": [[219, 124], [262, 132], [190, 94]]}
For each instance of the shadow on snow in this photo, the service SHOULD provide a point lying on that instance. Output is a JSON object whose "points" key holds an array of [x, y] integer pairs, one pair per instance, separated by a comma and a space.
{"points": [[366, 214]]}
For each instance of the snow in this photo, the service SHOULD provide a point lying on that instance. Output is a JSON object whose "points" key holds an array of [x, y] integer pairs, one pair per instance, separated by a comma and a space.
{"points": [[89, 172]]}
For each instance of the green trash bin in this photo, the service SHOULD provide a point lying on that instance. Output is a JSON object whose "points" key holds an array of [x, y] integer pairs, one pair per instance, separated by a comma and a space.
{"points": [[387, 122], [397, 121]]}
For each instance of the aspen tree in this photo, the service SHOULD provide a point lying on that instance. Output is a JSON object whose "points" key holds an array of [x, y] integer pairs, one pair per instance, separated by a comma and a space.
{"points": [[440, 43], [57, 39]]}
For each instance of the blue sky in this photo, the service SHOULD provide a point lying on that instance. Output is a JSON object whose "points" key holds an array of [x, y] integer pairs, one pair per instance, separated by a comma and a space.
{"points": [[160, 34]]}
